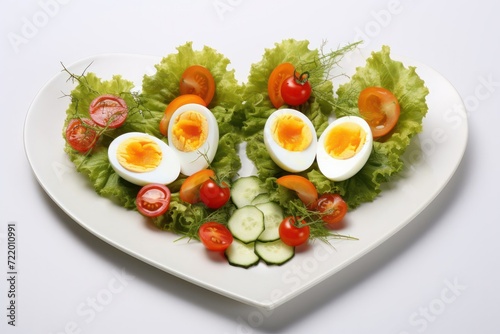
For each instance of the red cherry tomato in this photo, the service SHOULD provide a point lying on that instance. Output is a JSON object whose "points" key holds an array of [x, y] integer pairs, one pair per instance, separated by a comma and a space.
{"points": [[292, 234], [278, 75], [153, 200], [81, 135], [380, 108], [108, 111], [198, 80], [215, 236], [214, 195], [332, 208], [190, 189], [295, 90]]}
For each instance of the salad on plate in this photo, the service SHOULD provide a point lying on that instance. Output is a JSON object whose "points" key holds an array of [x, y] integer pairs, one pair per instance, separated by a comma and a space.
{"points": [[172, 149]]}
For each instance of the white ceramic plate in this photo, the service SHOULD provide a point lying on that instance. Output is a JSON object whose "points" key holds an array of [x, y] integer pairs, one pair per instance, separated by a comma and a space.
{"points": [[431, 161]]}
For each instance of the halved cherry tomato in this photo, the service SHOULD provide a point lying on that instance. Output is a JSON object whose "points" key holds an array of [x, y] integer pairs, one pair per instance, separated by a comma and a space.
{"points": [[190, 189], [153, 200], [276, 79], [295, 90], [198, 80], [174, 105], [214, 195], [215, 236], [108, 111], [306, 191], [80, 134], [380, 108], [332, 208], [291, 233]]}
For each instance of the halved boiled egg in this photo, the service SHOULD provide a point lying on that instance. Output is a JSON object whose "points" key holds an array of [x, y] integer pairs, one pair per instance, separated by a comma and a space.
{"points": [[142, 159], [344, 147], [290, 139], [193, 133]]}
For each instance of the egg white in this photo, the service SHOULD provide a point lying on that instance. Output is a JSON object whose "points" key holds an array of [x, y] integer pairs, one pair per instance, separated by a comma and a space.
{"points": [[167, 171], [291, 161], [194, 161], [342, 169]]}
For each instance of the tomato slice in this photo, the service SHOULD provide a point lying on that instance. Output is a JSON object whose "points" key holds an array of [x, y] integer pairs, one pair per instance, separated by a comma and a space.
{"points": [[108, 111], [332, 208], [278, 76], [291, 233], [215, 236], [214, 195], [306, 191], [199, 81], [380, 108], [190, 189], [81, 135], [174, 105], [294, 91], [153, 200]]}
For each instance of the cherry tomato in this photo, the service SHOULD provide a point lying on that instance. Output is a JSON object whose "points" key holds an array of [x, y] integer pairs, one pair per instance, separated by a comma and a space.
{"points": [[174, 105], [215, 236], [80, 134], [108, 111], [332, 208], [214, 195], [295, 90], [198, 80], [380, 108], [291, 233], [306, 191], [153, 200], [190, 189], [276, 79]]}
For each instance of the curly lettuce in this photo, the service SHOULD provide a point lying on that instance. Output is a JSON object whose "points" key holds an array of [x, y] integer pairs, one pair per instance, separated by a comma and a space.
{"points": [[95, 164], [385, 159], [145, 112]]}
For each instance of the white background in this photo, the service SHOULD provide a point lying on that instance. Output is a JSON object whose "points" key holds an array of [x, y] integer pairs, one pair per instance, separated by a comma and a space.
{"points": [[401, 287]]}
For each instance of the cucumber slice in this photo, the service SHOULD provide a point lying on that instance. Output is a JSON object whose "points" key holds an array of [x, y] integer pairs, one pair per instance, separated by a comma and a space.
{"points": [[273, 216], [245, 189], [246, 223], [274, 252], [261, 198], [242, 255]]}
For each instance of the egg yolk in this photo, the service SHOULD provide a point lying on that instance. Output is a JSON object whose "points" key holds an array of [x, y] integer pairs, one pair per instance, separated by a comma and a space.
{"points": [[190, 131], [139, 154], [291, 133], [345, 140]]}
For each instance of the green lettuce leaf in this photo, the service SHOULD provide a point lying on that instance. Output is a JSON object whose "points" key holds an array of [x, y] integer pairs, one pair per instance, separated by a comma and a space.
{"points": [[145, 112], [258, 106], [95, 164], [385, 160], [159, 89]]}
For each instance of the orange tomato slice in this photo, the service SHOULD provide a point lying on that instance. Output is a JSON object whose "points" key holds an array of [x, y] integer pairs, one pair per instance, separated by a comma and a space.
{"points": [[305, 189], [380, 109], [190, 189], [198, 80], [278, 76], [174, 105]]}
